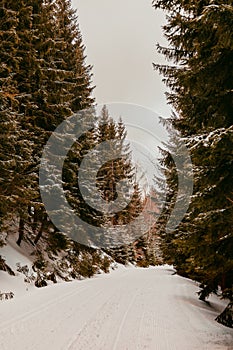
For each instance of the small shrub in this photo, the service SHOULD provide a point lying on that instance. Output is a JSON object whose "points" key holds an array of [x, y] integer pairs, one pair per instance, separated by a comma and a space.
{"points": [[6, 295], [39, 263], [86, 267], [143, 263], [40, 283], [25, 270], [5, 267], [40, 280], [105, 264], [57, 241]]}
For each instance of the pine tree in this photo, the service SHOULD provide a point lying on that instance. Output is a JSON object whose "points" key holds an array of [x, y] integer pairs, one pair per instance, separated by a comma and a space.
{"points": [[8, 105], [28, 79], [172, 195], [68, 77], [52, 82], [43, 80], [125, 224], [107, 158], [15, 148], [201, 46]]}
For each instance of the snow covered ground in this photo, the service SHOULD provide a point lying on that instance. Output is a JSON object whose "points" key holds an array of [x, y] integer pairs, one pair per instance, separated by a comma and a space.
{"points": [[128, 309], [13, 254]]}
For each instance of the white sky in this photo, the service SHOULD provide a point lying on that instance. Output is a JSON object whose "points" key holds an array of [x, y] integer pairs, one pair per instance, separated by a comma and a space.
{"points": [[120, 39]]}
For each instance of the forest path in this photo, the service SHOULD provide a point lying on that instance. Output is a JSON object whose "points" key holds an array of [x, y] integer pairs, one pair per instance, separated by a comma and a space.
{"points": [[129, 309]]}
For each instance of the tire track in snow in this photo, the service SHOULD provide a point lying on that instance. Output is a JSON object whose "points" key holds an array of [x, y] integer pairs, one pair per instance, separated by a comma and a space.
{"points": [[100, 333], [93, 334], [139, 310], [82, 339], [39, 309], [122, 322], [31, 320]]}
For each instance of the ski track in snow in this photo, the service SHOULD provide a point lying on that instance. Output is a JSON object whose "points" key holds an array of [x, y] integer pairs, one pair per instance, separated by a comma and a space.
{"points": [[129, 309]]}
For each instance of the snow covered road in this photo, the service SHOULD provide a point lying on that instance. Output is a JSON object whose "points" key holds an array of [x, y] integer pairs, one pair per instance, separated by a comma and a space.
{"points": [[129, 309]]}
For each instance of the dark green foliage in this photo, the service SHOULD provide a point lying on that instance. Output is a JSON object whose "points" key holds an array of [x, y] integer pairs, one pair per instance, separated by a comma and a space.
{"points": [[226, 317], [105, 264], [122, 254], [57, 242], [107, 174], [40, 282], [86, 267], [143, 263], [15, 152], [39, 263]]}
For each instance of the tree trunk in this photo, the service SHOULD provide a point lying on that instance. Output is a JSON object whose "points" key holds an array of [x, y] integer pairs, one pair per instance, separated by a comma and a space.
{"points": [[21, 231], [226, 317], [35, 221], [43, 227], [39, 234]]}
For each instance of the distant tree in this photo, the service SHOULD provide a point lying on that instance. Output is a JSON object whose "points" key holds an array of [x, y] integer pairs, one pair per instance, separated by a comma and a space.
{"points": [[107, 174]]}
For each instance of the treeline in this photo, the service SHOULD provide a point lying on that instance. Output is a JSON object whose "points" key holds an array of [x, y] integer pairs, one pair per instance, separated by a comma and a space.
{"points": [[200, 81], [44, 80]]}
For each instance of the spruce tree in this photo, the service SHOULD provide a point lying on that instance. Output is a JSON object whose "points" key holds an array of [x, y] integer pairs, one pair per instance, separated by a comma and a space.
{"points": [[68, 86], [15, 147], [107, 159], [125, 224], [29, 79], [8, 105], [52, 82], [201, 47]]}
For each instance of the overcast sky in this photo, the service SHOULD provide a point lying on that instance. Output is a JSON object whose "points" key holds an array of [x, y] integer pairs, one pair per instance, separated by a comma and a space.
{"points": [[120, 39]]}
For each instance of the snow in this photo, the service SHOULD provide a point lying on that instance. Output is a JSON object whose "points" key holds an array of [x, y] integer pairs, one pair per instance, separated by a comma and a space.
{"points": [[12, 254], [128, 309]]}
